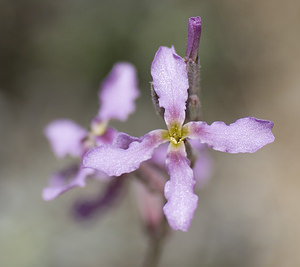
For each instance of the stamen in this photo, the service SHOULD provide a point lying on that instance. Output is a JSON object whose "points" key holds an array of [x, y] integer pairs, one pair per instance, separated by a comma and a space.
{"points": [[176, 137], [98, 128]]}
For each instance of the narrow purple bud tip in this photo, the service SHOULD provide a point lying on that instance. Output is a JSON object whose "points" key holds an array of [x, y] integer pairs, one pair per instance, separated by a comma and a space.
{"points": [[194, 33]]}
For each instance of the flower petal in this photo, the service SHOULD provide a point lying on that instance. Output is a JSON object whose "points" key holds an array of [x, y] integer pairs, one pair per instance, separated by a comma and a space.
{"points": [[60, 182], [246, 135], [115, 160], [179, 190], [159, 155], [118, 93], [203, 165], [107, 137], [65, 137], [123, 140], [86, 208], [170, 83]]}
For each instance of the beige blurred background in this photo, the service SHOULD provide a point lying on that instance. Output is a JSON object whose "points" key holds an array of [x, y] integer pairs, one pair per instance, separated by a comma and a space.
{"points": [[53, 55]]}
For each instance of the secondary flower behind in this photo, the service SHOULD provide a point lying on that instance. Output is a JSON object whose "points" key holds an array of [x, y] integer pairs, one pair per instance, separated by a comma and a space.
{"points": [[170, 82], [117, 95]]}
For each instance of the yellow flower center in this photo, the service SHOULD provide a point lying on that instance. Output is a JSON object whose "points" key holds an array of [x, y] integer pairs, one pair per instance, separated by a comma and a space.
{"points": [[176, 134], [99, 128], [96, 129]]}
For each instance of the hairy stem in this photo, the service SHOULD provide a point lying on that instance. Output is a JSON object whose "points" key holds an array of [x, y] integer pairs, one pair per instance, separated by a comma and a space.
{"points": [[193, 102]]}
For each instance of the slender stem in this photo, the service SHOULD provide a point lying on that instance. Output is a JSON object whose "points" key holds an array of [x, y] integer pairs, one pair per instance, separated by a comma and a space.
{"points": [[155, 246], [153, 254], [193, 103]]}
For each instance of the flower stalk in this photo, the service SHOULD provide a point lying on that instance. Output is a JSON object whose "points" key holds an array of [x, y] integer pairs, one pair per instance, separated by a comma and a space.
{"points": [[155, 245], [193, 70]]}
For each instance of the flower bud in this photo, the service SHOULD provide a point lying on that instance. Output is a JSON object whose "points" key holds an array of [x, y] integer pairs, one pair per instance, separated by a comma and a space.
{"points": [[194, 33]]}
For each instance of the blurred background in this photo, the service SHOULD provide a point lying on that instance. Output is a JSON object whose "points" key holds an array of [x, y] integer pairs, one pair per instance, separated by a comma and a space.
{"points": [[53, 55]]}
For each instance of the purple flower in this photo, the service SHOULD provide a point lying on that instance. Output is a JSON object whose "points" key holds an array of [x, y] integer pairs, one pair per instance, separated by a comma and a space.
{"points": [[170, 82], [117, 95]]}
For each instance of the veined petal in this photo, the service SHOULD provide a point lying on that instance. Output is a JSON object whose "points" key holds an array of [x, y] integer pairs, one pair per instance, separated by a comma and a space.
{"points": [[179, 190], [118, 93], [123, 140], [65, 180], [246, 135], [116, 160], [65, 137], [170, 83]]}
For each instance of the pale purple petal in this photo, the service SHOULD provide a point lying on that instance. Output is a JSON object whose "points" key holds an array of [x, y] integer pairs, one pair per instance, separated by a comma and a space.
{"points": [[118, 93], [123, 140], [65, 180], [246, 135], [202, 169], [170, 83], [203, 165], [115, 161], [159, 155], [65, 137], [179, 190]]}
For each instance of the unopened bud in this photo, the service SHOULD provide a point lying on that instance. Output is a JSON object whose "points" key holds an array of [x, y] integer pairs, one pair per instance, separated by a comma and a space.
{"points": [[194, 33]]}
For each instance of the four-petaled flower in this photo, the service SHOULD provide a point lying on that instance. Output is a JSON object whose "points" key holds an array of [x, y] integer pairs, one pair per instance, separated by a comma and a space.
{"points": [[117, 95], [170, 82]]}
